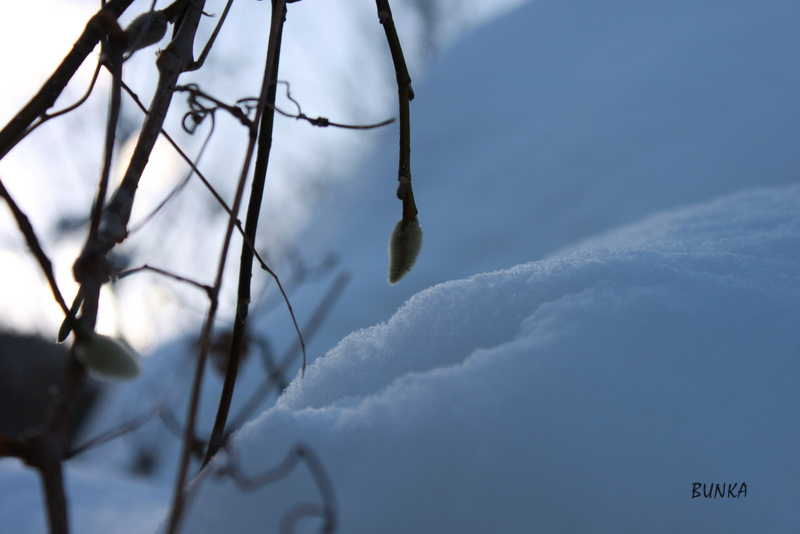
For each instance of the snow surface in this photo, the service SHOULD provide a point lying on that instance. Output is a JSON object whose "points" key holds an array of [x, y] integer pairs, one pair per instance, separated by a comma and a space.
{"points": [[98, 502], [582, 392], [565, 119]]}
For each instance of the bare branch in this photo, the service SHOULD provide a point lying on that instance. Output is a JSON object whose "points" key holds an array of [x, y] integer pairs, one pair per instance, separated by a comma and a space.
{"points": [[275, 374], [96, 28], [112, 53], [206, 49], [208, 289], [267, 87], [406, 95], [266, 100], [72, 107], [248, 242], [33, 243], [114, 433], [323, 122], [183, 155]]}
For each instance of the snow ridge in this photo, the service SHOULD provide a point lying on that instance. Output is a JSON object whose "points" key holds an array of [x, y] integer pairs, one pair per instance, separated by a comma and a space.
{"points": [[586, 392]]}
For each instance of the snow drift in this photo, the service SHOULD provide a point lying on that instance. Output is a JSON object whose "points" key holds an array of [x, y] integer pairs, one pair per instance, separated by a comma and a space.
{"points": [[564, 119], [585, 393]]}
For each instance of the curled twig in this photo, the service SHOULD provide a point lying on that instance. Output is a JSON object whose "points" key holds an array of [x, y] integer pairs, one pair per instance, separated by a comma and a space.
{"points": [[182, 184], [236, 222], [207, 48], [198, 111], [321, 122], [183, 156], [300, 453]]}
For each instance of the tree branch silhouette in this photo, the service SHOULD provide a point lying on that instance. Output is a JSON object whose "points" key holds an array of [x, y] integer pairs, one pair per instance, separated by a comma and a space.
{"points": [[267, 104], [96, 29]]}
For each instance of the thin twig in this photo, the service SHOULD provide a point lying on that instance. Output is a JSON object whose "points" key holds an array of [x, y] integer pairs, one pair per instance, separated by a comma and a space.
{"points": [[96, 28], [300, 453], [275, 374], [112, 52], [405, 94], [323, 122], [183, 155], [206, 288], [267, 118], [113, 433], [33, 243], [246, 239], [195, 65], [70, 322], [197, 445], [179, 187], [72, 107]]}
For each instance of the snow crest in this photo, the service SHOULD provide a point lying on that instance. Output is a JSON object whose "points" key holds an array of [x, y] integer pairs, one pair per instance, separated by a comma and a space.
{"points": [[586, 392]]}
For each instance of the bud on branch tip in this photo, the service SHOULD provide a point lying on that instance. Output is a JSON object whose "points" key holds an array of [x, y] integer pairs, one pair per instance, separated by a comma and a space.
{"points": [[145, 30], [106, 357], [404, 248]]}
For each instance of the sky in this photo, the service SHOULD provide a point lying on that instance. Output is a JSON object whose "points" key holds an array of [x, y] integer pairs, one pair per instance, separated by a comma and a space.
{"points": [[604, 312], [336, 60]]}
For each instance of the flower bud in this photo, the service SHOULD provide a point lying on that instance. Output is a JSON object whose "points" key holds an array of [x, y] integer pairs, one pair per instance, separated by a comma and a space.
{"points": [[105, 357], [145, 30], [404, 247]]}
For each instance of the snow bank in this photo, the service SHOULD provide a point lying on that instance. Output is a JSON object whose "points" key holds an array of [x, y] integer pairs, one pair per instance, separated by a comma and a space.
{"points": [[98, 503], [585, 393], [564, 119]]}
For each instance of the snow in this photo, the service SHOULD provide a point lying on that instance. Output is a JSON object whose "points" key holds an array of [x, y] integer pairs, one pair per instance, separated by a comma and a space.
{"points": [[604, 311], [577, 117], [98, 503], [584, 393]]}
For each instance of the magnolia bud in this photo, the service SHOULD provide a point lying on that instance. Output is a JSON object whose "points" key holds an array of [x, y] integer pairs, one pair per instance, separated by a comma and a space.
{"points": [[106, 357], [404, 247], [145, 30]]}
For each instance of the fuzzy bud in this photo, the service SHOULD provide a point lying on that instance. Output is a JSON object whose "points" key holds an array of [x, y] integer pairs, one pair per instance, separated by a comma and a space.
{"points": [[105, 357], [145, 30], [404, 247]]}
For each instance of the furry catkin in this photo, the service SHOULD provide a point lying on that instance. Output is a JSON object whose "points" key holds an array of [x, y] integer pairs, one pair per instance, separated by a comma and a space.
{"points": [[145, 30], [105, 357], [404, 247]]}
